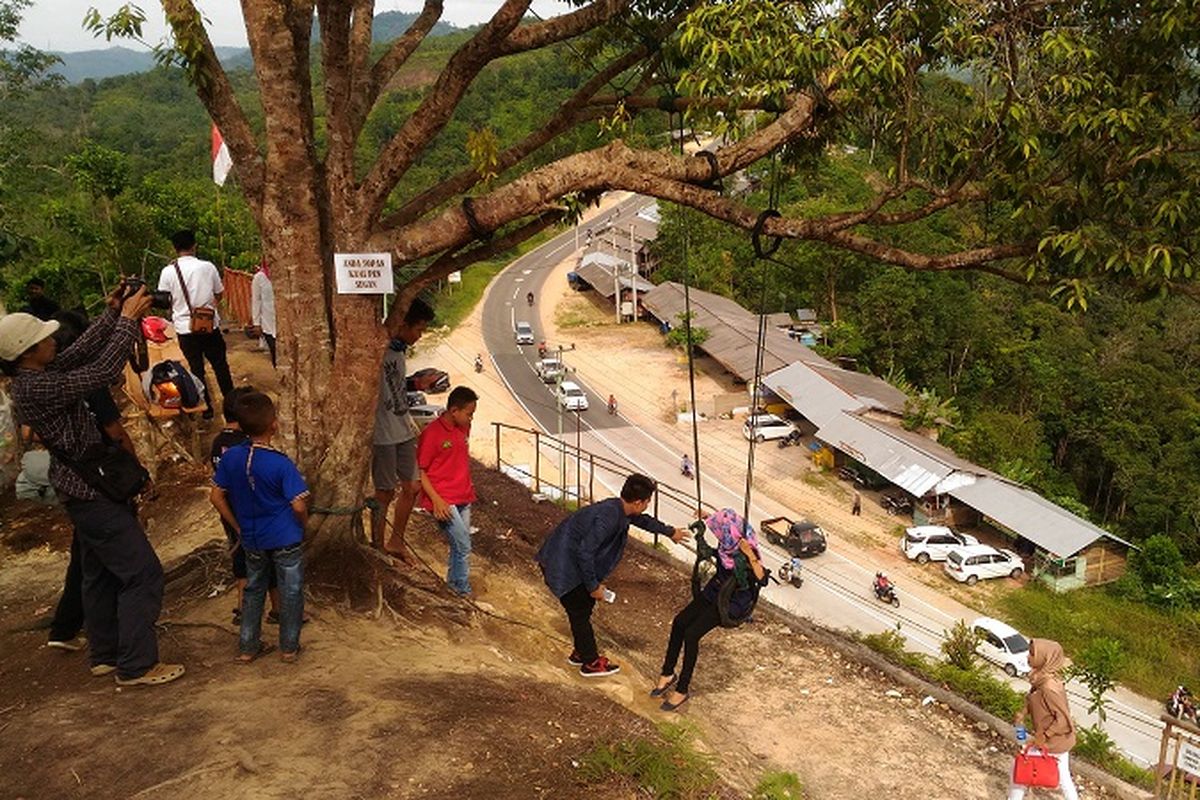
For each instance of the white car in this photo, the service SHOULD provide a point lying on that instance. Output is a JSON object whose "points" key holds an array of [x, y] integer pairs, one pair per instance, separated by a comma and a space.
{"points": [[571, 397], [548, 369], [766, 426], [1001, 644], [972, 563], [925, 543], [524, 333]]}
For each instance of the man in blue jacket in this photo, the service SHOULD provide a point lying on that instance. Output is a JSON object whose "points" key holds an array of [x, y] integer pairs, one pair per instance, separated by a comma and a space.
{"points": [[584, 550]]}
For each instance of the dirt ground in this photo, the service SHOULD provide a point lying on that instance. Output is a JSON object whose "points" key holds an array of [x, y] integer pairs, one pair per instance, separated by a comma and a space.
{"points": [[414, 703]]}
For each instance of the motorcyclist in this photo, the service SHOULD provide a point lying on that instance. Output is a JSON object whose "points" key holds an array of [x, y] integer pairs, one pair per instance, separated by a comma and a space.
{"points": [[612, 404], [542, 349], [529, 298], [479, 362], [1180, 703], [685, 466], [795, 563], [882, 584]]}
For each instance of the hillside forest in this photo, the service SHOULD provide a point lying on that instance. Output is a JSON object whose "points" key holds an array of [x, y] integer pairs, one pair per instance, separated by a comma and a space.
{"points": [[1095, 408]]}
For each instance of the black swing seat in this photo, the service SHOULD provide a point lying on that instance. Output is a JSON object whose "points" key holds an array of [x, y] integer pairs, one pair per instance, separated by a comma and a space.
{"points": [[703, 570]]}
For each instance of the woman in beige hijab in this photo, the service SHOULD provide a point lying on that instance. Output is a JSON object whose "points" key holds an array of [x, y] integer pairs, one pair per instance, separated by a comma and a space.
{"points": [[1051, 728]]}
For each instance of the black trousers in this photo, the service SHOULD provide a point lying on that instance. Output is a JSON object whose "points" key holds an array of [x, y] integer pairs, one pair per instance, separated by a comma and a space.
{"points": [[579, 604], [68, 616], [122, 585], [688, 628], [270, 346], [198, 346]]}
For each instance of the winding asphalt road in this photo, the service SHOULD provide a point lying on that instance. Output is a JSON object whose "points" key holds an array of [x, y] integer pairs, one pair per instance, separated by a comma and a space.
{"points": [[836, 589]]}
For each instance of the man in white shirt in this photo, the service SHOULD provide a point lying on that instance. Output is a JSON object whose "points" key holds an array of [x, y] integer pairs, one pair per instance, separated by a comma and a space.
{"points": [[262, 306], [203, 290]]}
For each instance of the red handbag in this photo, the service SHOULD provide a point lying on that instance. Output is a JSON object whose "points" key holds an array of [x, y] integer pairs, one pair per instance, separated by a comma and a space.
{"points": [[1035, 769]]}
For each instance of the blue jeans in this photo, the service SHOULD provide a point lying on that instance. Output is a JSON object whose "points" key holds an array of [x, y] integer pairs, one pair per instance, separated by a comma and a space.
{"points": [[288, 563], [458, 532]]}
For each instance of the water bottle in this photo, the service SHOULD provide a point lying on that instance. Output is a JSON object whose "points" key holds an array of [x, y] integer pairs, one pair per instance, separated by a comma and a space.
{"points": [[609, 595], [1021, 733]]}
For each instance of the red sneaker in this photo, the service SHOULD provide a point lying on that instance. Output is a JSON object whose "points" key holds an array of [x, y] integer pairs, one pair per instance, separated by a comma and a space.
{"points": [[600, 668]]}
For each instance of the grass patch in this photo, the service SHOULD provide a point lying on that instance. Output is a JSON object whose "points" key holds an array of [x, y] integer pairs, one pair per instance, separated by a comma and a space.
{"points": [[579, 312], [455, 301], [976, 685], [669, 767], [778, 786], [1094, 745], [1162, 647]]}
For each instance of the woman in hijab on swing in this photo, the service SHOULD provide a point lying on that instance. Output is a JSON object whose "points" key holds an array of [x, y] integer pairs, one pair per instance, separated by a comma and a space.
{"points": [[702, 614]]}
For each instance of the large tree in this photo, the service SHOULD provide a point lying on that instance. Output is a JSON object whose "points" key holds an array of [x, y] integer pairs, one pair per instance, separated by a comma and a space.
{"points": [[1065, 130]]}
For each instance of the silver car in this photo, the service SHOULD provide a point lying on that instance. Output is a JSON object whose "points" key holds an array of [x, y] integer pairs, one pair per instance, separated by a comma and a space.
{"points": [[524, 333]]}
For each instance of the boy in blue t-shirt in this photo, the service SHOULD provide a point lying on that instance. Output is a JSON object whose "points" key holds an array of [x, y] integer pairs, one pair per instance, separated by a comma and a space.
{"points": [[259, 491]]}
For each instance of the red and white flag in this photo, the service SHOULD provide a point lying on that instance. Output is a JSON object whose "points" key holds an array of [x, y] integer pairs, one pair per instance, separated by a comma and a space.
{"points": [[222, 162]]}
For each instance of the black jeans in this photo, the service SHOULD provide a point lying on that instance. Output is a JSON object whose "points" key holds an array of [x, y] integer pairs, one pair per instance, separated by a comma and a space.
{"points": [[68, 616], [198, 346], [270, 346], [696, 619], [122, 585], [579, 605]]}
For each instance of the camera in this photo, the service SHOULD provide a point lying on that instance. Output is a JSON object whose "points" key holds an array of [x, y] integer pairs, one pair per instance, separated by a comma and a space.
{"points": [[158, 299]]}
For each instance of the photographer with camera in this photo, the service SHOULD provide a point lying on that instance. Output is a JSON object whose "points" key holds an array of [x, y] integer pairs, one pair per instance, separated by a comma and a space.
{"points": [[122, 576], [195, 288]]}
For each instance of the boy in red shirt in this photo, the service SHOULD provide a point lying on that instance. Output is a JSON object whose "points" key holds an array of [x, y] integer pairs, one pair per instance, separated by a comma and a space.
{"points": [[446, 488]]}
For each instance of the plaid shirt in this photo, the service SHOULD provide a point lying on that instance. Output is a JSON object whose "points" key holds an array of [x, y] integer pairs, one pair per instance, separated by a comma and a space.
{"points": [[51, 400]]}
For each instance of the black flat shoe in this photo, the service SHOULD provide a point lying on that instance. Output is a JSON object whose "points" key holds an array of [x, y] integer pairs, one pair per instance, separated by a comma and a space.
{"points": [[669, 706], [659, 691]]}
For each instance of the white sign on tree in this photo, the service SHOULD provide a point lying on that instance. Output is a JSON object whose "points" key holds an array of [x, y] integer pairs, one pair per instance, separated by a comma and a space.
{"points": [[364, 273]]}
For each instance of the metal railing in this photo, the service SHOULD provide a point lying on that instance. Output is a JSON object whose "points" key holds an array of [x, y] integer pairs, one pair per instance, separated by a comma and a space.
{"points": [[1178, 773]]}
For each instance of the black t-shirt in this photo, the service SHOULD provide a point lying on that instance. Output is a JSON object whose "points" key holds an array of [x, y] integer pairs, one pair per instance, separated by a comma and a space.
{"points": [[42, 307], [224, 440]]}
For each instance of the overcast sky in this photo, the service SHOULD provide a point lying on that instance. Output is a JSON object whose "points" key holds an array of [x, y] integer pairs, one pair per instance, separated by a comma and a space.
{"points": [[57, 24]]}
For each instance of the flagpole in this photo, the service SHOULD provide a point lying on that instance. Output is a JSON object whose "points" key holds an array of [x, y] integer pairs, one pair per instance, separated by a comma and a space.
{"points": [[220, 231]]}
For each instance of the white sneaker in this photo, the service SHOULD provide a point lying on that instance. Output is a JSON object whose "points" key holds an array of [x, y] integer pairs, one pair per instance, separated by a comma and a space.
{"points": [[71, 645]]}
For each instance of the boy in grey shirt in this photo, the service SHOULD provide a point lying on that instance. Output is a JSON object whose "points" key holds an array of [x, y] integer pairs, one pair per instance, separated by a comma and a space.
{"points": [[394, 446]]}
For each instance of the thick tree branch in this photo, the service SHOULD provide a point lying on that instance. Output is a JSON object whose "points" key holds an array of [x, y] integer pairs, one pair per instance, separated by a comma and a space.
{"points": [[337, 65], [978, 259], [461, 259], [437, 108], [216, 94], [567, 116], [563, 27], [397, 55]]}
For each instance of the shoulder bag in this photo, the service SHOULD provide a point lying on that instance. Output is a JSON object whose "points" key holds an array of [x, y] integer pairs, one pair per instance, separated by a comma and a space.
{"points": [[1035, 769], [204, 319], [109, 469]]}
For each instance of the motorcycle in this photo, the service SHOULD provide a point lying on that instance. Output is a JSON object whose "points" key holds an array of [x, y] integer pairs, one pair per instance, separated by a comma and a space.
{"points": [[529, 298], [791, 439], [478, 363], [1180, 705], [685, 468], [612, 406], [786, 575], [887, 594]]}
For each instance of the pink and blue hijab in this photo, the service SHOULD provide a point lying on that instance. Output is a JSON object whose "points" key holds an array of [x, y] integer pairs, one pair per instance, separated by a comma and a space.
{"points": [[729, 528]]}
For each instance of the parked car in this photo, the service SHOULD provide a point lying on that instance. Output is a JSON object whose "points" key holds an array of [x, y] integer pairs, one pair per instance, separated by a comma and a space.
{"points": [[896, 502], [1001, 644], [970, 564], [548, 369], [429, 379], [524, 333], [571, 397], [801, 538], [925, 543], [761, 427]]}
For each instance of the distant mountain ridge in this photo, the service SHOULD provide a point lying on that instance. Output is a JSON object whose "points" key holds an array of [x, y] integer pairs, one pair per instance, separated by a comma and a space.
{"points": [[112, 61]]}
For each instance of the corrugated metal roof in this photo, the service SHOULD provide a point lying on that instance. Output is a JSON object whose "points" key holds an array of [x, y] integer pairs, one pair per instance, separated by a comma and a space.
{"points": [[898, 461], [732, 330], [1050, 527], [873, 392]]}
